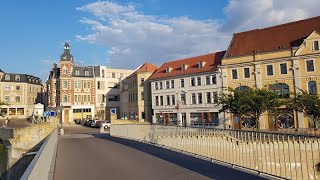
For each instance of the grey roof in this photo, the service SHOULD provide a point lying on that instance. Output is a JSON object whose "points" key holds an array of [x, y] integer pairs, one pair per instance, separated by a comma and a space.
{"points": [[79, 71], [66, 56], [97, 71], [23, 78]]}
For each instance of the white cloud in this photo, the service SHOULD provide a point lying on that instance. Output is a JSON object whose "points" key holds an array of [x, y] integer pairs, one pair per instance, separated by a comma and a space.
{"points": [[131, 38], [247, 14]]}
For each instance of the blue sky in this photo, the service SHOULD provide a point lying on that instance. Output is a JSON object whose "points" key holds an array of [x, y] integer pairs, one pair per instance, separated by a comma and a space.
{"points": [[124, 34]]}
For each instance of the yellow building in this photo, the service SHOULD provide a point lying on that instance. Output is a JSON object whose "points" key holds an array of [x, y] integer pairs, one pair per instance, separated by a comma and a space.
{"points": [[283, 58]]}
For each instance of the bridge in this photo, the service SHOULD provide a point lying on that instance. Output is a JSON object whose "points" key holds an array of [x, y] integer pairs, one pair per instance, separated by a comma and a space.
{"points": [[170, 152]]}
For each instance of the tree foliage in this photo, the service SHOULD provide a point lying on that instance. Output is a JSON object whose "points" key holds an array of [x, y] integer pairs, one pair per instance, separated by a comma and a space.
{"points": [[308, 103], [249, 102]]}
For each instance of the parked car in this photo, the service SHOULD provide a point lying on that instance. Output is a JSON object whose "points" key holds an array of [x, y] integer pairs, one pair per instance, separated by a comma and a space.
{"points": [[99, 123], [94, 123], [106, 124]]}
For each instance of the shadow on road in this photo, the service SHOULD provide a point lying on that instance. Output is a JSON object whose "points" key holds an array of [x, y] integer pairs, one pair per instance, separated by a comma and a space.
{"points": [[206, 168]]}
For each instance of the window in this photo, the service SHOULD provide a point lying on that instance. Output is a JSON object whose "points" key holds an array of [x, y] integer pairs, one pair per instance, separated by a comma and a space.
{"points": [[142, 95], [157, 100], [64, 84], [102, 72], [310, 65], [193, 98], [75, 98], [113, 98], [283, 68], [183, 67], [113, 75], [200, 98], [17, 78], [65, 98], [316, 45], [65, 71], [281, 89], [86, 73], [87, 84], [7, 88], [246, 72], [156, 85], [172, 83], [173, 99], [160, 84], [161, 100], [18, 88], [214, 79], [167, 84], [168, 100], [208, 97], [200, 64], [77, 73], [312, 86], [6, 98], [77, 84], [215, 97], [141, 81], [181, 82], [207, 80], [234, 74], [193, 83], [242, 88], [98, 84], [199, 81], [183, 98], [7, 77], [269, 70]]}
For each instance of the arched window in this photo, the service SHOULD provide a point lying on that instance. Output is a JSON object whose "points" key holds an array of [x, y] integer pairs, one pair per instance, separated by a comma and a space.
{"points": [[281, 89], [17, 78], [242, 88], [312, 86]]}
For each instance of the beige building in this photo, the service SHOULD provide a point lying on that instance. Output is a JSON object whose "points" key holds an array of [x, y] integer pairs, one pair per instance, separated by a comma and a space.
{"points": [[138, 106], [284, 59], [21, 92], [185, 92], [108, 88]]}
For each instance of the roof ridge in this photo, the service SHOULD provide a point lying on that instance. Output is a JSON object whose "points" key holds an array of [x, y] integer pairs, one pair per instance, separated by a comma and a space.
{"points": [[280, 25], [177, 60]]}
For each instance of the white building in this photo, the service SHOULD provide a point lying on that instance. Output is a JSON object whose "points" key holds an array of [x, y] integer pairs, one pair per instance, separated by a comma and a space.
{"points": [[108, 86], [186, 91]]}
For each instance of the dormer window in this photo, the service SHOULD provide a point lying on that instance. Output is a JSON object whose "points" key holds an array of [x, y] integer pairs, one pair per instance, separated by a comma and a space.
{"points": [[168, 69], [86, 73], [77, 73], [7, 77], [201, 64], [316, 45], [17, 78], [184, 67]]}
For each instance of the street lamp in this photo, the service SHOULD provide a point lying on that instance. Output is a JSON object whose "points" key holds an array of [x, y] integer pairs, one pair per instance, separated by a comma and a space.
{"points": [[102, 111]]}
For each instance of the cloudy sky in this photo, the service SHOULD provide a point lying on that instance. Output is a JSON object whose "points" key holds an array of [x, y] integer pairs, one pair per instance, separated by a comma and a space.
{"points": [[125, 34]]}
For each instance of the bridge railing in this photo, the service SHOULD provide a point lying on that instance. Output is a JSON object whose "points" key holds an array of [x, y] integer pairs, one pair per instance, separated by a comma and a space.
{"points": [[290, 156], [40, 166]]}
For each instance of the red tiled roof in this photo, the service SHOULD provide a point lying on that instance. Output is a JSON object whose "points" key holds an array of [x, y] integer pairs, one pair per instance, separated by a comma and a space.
{"points": [[147, 67], [211, 61], [273, 38]]}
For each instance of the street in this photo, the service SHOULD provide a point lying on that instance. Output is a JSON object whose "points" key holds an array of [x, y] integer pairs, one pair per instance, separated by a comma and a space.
{"points": [[83, 153]]}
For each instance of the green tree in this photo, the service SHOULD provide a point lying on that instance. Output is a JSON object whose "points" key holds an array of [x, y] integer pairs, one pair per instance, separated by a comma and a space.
{"points": [[308, 103], [253, 102]]}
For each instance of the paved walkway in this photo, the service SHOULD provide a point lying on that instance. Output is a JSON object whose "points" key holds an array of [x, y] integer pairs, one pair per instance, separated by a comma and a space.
{"points": [[85, 154]]}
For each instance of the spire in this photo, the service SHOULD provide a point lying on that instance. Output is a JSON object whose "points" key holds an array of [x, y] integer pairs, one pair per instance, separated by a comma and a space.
{"points": [[66, 56]]}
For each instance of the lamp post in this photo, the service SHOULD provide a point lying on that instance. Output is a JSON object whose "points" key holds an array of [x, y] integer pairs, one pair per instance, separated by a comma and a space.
{"points": [[102, 111]]}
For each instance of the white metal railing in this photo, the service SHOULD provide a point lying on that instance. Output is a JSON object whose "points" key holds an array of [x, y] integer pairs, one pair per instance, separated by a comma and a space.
{"points": [[289, 156], [40, 166]]}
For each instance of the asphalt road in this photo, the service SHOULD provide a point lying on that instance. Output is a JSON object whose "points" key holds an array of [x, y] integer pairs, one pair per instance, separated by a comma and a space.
{"points": [[85, 154]]}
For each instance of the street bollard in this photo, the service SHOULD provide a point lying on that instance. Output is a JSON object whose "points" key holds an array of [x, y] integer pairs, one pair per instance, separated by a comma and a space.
{"points": [[61, 131], [101, 129]]}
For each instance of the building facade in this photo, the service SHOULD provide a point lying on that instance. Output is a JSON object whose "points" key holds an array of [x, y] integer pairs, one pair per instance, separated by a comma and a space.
{"points": [[108, 89], [20, 92], [283, 59], [139, 105], [185, 92]]}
